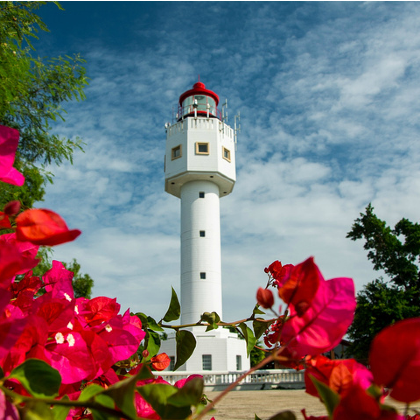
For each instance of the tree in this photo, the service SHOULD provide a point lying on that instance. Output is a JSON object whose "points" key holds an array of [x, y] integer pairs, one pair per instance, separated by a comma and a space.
{"points": [[381, 303], [32, 91], [82, 284]]}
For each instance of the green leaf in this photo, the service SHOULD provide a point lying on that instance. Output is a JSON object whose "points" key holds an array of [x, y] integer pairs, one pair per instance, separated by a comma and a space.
{"points": [[174, 310], [29, 374], [158, 395], [256, 417], [60, 412], [90, 392], [257, 310], [1, 373], [36, 410], [259, 327], [185, 345], [212, 319], [283, 415], [249, 337], [190, 394], [329, 397], [153, 325]]}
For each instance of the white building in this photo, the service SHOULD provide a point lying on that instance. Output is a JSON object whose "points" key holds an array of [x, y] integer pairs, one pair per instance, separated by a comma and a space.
{"points": [[200, 169]]}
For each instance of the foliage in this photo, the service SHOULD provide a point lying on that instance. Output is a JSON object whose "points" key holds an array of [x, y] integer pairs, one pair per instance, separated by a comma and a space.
{"points": [[32, 91], [380, 303]]}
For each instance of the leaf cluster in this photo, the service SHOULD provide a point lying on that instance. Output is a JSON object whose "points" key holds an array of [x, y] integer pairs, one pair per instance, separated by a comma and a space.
{"points": [[32, 92], [381, 303]]}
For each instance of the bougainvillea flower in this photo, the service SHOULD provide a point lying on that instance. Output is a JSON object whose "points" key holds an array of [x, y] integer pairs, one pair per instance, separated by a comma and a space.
{"points": [[13, 262], [301, 285], [182, 382], [265, 298], [97, 310], [69, 354], [325, 322], [339, 375], [30, 344], [7, 410], [58, 280], [9, 139], [160, 361], [4, 221], [358, 404], [395, 359], [43, 227], [12, 324]]}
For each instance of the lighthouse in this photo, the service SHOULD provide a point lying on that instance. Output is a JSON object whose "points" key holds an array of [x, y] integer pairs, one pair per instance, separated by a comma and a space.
{"points": [[200, 170]]}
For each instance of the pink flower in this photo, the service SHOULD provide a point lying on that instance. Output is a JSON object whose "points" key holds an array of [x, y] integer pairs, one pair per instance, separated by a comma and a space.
{"points": [[322, 326], [9, 139]]}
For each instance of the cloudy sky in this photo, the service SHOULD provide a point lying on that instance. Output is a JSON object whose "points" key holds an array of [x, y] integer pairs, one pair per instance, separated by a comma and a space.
{"points": [[328, 95]]}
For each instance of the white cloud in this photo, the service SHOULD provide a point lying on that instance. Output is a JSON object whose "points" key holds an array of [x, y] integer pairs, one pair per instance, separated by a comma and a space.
{"points": [[328, 95]]}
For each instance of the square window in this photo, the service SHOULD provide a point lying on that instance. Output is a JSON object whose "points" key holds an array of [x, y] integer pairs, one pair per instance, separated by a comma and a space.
{"points": [[202, 148], [202, 233], [176, 152], [201, 194], [206, 359], [226, 154], [202, 276]]}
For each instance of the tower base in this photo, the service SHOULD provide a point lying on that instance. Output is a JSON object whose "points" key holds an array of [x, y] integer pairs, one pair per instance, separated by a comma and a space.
{"points": [[217, 350]]}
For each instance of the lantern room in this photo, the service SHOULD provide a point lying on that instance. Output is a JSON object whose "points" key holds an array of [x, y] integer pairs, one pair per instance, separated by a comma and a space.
{"points": [[198, 102]]}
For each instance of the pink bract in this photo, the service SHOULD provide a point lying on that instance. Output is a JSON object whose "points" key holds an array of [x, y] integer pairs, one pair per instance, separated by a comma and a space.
{"points": [[9, 139], [325, 322]]}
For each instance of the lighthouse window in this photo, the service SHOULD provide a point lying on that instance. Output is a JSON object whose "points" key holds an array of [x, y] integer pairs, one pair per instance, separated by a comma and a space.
{"points": [[206, 358], [202, 276], [202, 233], [202, 148], [201, 194], [176, 152], [226, 154], [238, 362]]}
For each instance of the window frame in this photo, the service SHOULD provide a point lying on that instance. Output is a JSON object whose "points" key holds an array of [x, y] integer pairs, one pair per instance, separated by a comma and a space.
{"points": [[197, 148], [224, 149], [174, 149]]}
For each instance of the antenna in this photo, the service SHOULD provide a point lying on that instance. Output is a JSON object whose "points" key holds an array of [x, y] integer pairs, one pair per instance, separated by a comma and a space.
{"points": [[224, 107], [237, 130]]}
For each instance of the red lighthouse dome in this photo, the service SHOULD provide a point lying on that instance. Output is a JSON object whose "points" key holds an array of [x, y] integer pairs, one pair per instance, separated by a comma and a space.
{"points": [[200, 100]]}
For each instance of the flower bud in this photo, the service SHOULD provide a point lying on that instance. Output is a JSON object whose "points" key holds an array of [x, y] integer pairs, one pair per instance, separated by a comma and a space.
{"points": [[145, 353], [12, 208], [265, 298]]}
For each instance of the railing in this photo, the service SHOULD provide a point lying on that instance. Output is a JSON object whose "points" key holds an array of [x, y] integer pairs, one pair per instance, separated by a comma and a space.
{"points": [[260, 379]]}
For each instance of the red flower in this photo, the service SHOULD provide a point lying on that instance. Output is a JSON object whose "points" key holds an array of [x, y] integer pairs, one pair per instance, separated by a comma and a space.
{"points": [[265, 298], [9, 139], [300, 285], [339, 375], [160, 361], [395, 359], [43, 227]]}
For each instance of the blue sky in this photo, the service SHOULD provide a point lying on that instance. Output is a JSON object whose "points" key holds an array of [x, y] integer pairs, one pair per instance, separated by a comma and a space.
{"points": [[329, 100]]}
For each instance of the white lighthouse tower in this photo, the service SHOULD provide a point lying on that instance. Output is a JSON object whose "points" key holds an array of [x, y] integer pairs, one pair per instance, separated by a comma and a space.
{"points": [[200, 169]]}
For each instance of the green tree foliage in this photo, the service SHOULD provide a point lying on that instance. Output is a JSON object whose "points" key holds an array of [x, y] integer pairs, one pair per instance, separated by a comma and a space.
{"points": [[32, 91], [82, 283], [381, 303]]}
